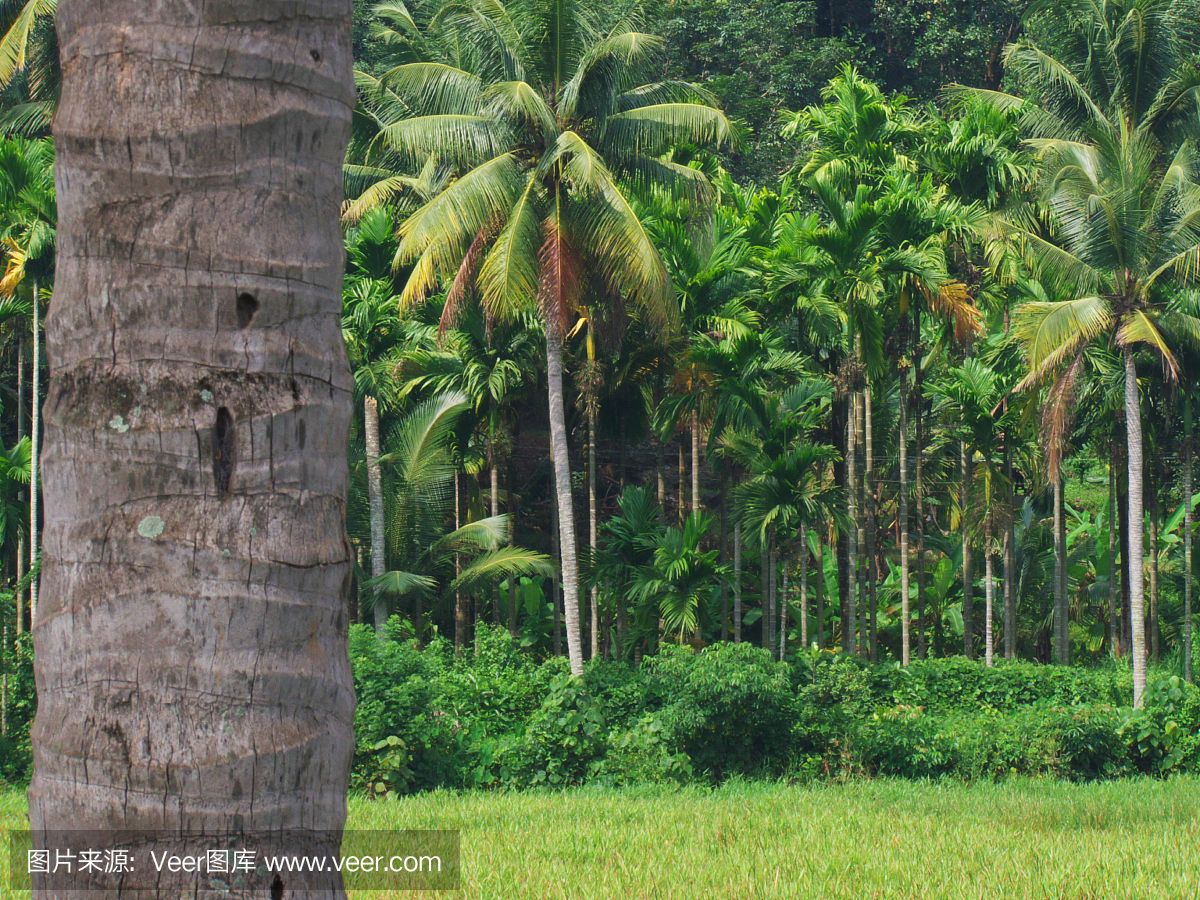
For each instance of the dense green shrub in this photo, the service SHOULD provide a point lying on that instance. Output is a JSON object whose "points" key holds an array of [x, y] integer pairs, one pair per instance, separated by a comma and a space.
{"points": [[1163, 735], [957, 683], [16, 662], [563, 742], [643, 754], [731, 708]]}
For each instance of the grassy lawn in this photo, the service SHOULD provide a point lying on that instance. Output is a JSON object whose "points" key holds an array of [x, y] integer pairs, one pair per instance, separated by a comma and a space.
{"points": [[870, 839]]}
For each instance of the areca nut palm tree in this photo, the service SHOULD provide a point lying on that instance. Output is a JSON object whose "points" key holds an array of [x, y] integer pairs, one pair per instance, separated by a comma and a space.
{"points": [[548, 121], [190, 650], [1115, 127], [27, 196]]}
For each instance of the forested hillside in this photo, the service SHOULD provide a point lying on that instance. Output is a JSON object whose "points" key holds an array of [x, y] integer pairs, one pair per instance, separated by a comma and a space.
{"points": [[852, 331]]}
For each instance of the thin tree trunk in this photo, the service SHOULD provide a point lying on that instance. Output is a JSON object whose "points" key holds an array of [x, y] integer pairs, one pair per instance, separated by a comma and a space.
{"points": [[968, 609], [820, 575], [860, 567], [19, 594], [683, 511], [591, 459], [1010, 562], [905, 615], [696, 460], [849, 620], [871, 562], [375, 497], [869, 490], [35, 421], [723, 557], [460, 602], [1187, 538], [194, 687], [1114, 625], [555, 592], [495, 509], [989, 646], [1154, 528], [1059, 554], [765, 592], [804, 585], [1137, 599], [562, 485], [660, 471], [1064, 572], [737, 582], [918, 378], [783, 606]]}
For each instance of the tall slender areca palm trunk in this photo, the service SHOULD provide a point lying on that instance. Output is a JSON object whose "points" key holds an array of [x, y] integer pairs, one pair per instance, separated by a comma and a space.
{"points": [[1187, 538], [989, 592], [375, 498], [1136, 550], [968, 608], [869, 518], [191, 657], [19, 595], [35, 422], [562, 488], [905, 616], [737, 581], [696, 460], [592, 529], [1114, 627], [804, 585], [1059, 551], [1010, 561], [849, 608]]}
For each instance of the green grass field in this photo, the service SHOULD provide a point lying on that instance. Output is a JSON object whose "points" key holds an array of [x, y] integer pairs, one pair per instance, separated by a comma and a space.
{"points": [[866, 839]]}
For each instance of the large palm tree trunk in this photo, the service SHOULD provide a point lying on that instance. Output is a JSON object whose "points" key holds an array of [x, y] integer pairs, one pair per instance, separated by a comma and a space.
{"points": [[191, 658], [375, 498], [1137, 598], [562, 488]]}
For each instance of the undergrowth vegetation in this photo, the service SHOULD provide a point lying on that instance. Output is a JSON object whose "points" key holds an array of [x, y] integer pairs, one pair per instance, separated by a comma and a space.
{"points": [[495, 717]]}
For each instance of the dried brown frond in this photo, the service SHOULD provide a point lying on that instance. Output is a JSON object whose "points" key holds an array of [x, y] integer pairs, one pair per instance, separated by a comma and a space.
{"points": [[953, 301], [559, 284]]}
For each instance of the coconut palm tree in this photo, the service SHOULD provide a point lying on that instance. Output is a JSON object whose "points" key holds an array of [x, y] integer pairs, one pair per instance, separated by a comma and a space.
{"points": [[548, 120], [195, 450], [1113, 118], [419, 472], [29, 48]]}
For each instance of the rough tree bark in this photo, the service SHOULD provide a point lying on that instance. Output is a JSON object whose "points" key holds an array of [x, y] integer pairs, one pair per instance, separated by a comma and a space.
{"points": [[562, 488], [191, 659]]}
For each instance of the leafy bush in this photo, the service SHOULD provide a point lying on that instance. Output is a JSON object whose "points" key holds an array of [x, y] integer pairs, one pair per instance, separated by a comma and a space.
{"points": [[563, 742], [731, 708], [957, 683], [643, 755], [1163, 734]]}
